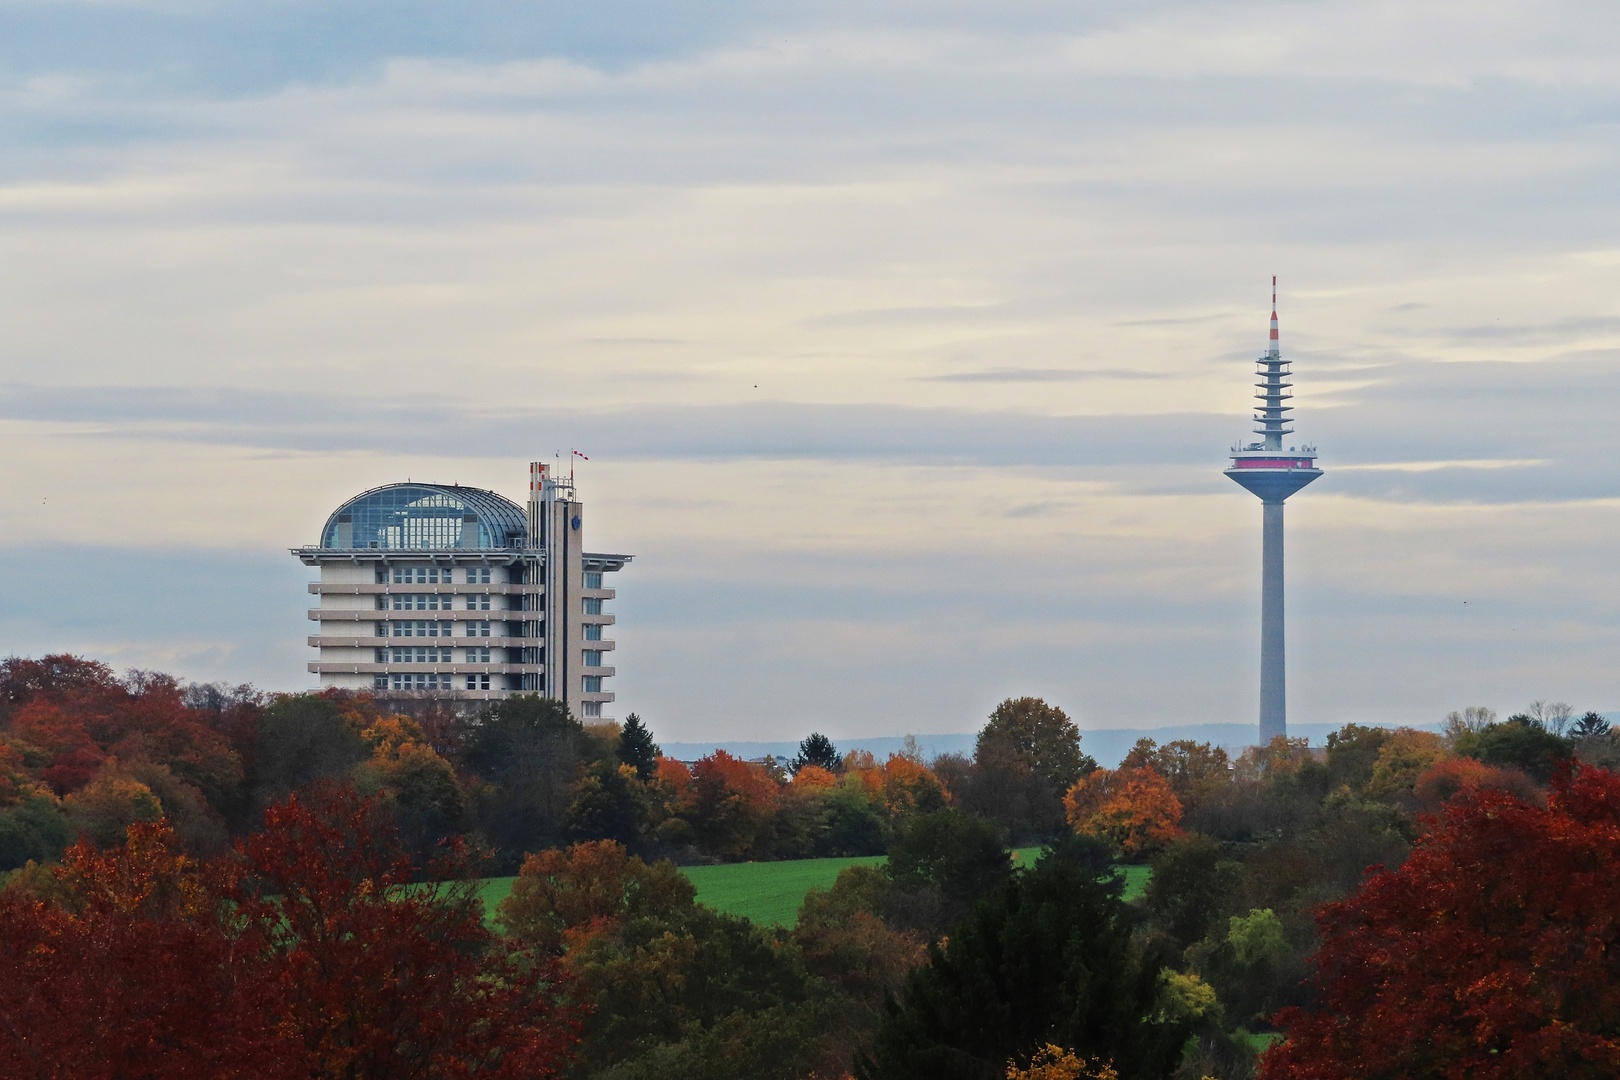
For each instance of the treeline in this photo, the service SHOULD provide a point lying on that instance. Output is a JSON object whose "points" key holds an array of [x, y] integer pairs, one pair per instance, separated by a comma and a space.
{"points": [[84, 753], [946, 961]]}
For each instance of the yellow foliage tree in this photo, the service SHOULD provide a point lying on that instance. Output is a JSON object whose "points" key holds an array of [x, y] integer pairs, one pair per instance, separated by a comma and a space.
{"points": [[1055, 1063]]}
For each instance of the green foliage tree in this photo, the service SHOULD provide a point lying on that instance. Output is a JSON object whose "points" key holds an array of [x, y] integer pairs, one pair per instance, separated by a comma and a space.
{"points": [[303, 738], [1191, 881], [1040, 736], [1518, 743], [1352, 754], [1025, 758], [941, 864], [34, 830], [1046, 959], [637, 749], [526, 749], [817, 750]]}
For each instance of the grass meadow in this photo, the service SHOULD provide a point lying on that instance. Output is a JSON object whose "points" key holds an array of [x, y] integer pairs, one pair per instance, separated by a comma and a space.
{"points": [[770, 893]]}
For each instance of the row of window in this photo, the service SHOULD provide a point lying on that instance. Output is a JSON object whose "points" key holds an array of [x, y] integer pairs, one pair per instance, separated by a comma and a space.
{"points": [[432, 628], [431, 654], [436, 680], [435, 575], [472, 628], [431, 681], [431, 602]]}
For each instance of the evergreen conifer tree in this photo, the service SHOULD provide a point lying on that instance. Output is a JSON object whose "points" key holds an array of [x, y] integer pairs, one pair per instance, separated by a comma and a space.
{"points": [[637, 749]]}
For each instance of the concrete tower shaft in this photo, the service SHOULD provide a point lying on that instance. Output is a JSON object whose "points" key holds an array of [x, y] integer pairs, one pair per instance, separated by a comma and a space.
{"points": [[1272, 473]]}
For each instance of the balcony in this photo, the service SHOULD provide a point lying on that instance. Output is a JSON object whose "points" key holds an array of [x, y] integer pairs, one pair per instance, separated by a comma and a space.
{"points": [[371, 589], [323, 667], [320, 641], [418, 615]]}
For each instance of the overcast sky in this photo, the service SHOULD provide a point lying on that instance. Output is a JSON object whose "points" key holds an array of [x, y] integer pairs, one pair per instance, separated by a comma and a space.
{"points": [[906, 339]]}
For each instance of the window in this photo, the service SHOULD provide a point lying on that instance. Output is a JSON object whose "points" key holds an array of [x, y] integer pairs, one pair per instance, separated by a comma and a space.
{"points": [[593, 708], [593, 631], [593, 657], [379, 682], [478, 602], [431, 680], [478, 682], [420, 602], [420, 654], [382, 656], [478, 575], [421, 629], [421, 575], [593, 684], [593, 606], [478, 656], [478, 629], [593, 579]]}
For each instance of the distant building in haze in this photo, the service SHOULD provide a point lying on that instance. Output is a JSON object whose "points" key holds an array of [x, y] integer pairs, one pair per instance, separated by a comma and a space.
{"points": [[443, 591], [1273, 473]]}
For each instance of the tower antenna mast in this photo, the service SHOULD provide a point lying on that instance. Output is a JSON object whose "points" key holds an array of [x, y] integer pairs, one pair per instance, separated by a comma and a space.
{"points": [[1272, 473]]}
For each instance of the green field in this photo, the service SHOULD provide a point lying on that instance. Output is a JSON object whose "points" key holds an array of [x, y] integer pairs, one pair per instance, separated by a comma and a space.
{"points": [[770, 892]]}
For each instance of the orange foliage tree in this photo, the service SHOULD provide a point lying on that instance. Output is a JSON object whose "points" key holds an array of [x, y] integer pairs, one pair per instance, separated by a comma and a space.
{"points": [[1134, 809], [563, 896]]}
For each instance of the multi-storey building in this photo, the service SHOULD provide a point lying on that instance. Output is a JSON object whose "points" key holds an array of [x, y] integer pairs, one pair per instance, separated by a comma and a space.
{"points": [[443, 591]]}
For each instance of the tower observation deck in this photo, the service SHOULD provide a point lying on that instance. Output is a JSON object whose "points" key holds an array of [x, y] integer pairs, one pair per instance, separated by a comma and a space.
{"points": [[1272, 472]]}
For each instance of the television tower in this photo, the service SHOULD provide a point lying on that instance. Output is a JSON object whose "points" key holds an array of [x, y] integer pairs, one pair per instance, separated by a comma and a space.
{"points": [[1272, 473]]}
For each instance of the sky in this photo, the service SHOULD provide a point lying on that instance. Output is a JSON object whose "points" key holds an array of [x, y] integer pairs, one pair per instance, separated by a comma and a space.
{"points": [[906, 340]]}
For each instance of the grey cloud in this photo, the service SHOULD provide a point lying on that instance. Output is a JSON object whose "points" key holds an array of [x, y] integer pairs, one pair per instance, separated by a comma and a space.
{"points": [[1407, 412], [1028, 375]]}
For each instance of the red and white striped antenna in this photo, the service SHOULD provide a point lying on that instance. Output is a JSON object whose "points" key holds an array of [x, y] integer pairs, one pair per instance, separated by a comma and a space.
{"points": [[1275, 349]]}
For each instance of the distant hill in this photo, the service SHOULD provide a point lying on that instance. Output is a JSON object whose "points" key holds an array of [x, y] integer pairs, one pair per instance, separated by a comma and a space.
{"points": [[1107, 745]]}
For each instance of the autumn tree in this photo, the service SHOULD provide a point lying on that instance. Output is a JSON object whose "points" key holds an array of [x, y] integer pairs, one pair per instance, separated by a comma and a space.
{"points": [[1489, 953], [1133, 809], [145, 974], [562, 896]]}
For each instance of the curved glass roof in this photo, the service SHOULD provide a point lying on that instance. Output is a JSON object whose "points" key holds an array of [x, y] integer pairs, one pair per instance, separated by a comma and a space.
{"points": [[405, 517]]}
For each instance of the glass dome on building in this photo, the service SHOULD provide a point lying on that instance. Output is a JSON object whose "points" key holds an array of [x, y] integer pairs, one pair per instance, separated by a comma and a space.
{"points": [[406, 517]]}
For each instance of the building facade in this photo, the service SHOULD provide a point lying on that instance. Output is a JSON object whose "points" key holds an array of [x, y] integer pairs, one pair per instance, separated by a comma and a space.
{"points": [[443, 591]]}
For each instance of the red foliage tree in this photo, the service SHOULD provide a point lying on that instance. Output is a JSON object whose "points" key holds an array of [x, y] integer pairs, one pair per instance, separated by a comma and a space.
{"points": [[1493, 952], [147, 978], [309, 952]]}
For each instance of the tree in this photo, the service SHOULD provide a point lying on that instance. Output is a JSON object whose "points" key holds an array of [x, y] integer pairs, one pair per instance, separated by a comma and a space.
{"points": [[1520, 743], [1590, 725], [947, 861], [637, 749], [817, 750], [303, 738], [1489, 953], [1040, 736], [1192, 879], [377, 977], [1133, 809], [526, 749], [143, 977], [1402, 757], [563, 896], [1046, 959]]}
